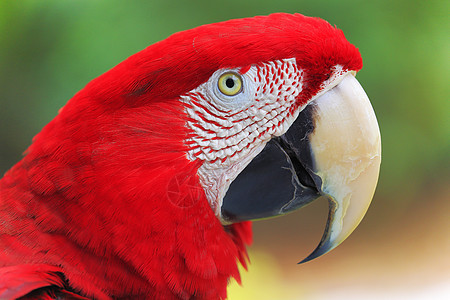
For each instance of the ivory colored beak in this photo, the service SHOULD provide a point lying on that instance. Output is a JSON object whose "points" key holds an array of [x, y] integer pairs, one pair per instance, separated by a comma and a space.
{"points": [[346, 144]]}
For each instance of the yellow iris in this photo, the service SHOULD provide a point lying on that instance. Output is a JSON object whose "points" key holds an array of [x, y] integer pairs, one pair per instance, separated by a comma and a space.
{"points": [[230, 83]]}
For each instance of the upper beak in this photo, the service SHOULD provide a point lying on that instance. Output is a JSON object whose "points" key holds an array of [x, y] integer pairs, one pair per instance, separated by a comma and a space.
{"points": [[333, 149], [347, 149]]}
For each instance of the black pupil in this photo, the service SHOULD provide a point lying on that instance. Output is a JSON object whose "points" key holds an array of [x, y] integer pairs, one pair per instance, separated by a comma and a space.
{"points": [[229, 83]]}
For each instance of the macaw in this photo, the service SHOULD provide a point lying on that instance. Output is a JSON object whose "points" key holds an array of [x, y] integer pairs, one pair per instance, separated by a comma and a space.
{"points": [[145, 183]]}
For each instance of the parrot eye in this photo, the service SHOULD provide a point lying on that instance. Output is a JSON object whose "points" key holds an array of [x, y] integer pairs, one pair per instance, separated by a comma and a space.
{"points": [[231, 90], [230, 83]]}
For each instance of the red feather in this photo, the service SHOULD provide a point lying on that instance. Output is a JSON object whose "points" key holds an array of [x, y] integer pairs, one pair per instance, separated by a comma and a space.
{"points": [[17, 281], [106, 194]]}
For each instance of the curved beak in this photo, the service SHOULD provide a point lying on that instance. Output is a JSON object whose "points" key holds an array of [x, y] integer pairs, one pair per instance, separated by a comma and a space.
{"points": [[346, 144], [333, 149]]}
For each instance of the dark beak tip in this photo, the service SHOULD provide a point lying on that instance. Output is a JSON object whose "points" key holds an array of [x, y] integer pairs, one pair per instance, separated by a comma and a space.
{"points": [[322, 249]]}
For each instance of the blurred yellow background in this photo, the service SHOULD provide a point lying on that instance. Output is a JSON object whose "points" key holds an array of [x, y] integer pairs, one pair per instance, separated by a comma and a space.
{"points": [[50, 49]]}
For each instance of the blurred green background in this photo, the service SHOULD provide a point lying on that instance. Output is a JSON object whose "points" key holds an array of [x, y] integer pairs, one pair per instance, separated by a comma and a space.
{"points": [[50, 49]]}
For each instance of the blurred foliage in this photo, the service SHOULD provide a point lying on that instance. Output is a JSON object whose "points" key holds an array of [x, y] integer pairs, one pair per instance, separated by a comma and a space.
{"points": [[267, 283]]}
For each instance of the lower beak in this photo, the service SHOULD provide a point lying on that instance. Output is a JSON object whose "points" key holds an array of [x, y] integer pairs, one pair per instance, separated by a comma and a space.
{"points": [[333, 149]]}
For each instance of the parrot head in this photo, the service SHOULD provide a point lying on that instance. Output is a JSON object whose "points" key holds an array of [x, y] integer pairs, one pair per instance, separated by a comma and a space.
{"points": [[151, 172], [282, 121]]}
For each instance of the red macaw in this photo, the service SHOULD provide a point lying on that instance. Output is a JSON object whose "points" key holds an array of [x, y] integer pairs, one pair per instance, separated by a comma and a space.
{"points": [[144, 184]]}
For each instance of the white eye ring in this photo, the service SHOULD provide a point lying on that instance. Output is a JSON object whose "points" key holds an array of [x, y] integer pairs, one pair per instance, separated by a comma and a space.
{"points": [[230, 83], [230, 89]]}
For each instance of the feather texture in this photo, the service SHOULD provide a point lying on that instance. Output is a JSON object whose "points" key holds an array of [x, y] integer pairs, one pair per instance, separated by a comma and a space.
{"points": [[106, 199]]}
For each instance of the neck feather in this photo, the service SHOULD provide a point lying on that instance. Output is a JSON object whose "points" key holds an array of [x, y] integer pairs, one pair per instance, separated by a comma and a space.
{"points": [[114, 201]]}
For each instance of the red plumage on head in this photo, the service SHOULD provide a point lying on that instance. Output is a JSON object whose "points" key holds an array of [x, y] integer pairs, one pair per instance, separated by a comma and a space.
{"points": [[106, 192], [184, 60]]}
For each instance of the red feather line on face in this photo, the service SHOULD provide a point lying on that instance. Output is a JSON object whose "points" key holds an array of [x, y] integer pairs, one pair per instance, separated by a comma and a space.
{"points": [[106, 192], [225, 137]]}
